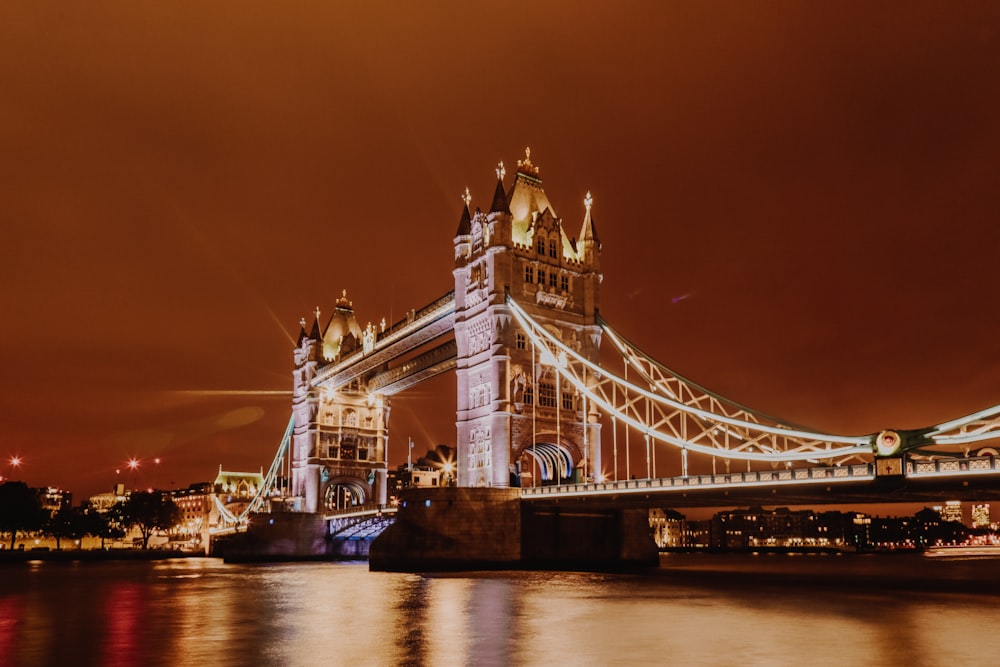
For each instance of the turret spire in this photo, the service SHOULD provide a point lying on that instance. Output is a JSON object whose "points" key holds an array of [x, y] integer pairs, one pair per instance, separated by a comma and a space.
{"points": [[589, 244], [465, 222], [499, 196]]}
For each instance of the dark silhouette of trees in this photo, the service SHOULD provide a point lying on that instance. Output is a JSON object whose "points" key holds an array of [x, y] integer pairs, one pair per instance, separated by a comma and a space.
{"points": [[150, 511], [108, 525], [67, 522], [20, 509]]}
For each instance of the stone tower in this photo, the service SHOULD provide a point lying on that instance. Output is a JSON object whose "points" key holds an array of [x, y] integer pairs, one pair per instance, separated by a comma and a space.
{"points": [[518, 422], [339, 438]]}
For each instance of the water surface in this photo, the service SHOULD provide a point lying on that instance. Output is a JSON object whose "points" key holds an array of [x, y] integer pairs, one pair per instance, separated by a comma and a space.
{"points": [[695, 610]]}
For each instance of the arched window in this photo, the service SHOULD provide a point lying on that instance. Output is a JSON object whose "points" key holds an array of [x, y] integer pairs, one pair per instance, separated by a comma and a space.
{"points": [[552, 248], [540, 246]]}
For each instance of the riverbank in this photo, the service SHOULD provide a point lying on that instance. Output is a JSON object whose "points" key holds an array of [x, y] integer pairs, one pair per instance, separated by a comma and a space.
{"points": [[69, 555], [890, 571]]}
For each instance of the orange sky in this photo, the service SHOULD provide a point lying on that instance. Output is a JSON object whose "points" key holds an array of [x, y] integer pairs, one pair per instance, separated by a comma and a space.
{"points": [[181, 182]]}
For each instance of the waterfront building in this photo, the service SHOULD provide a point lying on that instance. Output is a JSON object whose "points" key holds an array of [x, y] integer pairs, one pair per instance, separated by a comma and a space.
{"points": [[981, 515], [54, 499], [197, 513], [668, 527], [952, 511]]}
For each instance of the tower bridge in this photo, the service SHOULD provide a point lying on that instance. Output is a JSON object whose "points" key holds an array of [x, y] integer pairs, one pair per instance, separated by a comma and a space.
{"points": [[535, 398]]}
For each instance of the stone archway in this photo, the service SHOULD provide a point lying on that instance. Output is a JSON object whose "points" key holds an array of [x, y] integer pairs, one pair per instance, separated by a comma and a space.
{"points": [[345, 492], [546, 462]]}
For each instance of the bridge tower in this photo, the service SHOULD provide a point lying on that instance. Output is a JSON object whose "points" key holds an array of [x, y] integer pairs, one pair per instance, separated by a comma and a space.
{"points": [[515, 417], [339, 437]]}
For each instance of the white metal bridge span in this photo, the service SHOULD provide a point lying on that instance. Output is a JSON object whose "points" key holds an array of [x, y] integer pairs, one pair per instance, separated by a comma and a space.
{"points": [[665, 410]]}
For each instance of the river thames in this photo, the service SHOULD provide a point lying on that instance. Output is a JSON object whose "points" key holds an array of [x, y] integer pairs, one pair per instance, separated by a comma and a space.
{"points": [[694, 610]]}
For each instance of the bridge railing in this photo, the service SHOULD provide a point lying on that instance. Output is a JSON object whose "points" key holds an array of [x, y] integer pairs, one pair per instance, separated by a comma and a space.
{"points": [[947, 467], [357, 511], [416, 315], [858, 472]]}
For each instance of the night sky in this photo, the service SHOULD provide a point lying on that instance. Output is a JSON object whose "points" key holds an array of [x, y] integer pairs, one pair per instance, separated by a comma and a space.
{"points": [[798, 204]]}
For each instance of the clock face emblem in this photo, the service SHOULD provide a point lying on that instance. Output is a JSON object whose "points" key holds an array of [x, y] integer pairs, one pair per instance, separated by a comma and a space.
{"points": [[888, 443]]}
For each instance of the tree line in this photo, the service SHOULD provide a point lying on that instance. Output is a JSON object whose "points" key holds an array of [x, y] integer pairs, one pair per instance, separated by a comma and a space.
{"points": [[21, 513]]}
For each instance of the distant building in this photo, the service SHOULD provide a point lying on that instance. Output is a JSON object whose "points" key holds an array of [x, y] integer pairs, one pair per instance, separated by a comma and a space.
{"points": [[196, 504], [952, 511], [103, 502], [668, 527], [54, 499], [236, 490], [981, 515]]}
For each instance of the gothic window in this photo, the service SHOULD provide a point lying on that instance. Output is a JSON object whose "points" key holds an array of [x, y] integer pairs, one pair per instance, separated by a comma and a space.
{"points": [[552, 249], [350, 418], [541, 246], [348, 450], [547, 395], [552, 279], [541, 277], [521, 341], [529, 274], [363, 453], [529, 394], [567, 400], [564, 280]]}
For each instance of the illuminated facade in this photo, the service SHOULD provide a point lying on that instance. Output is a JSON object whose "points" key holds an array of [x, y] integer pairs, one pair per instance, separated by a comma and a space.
{"points": [[952, 511], [981, 515], [339, 437], [516, 420]]}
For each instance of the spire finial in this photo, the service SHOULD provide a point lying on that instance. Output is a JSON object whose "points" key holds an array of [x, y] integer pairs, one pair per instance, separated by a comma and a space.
{"points": [[317, 312], [302, 322], [524, 166], [467, 198], [588, 201], [501, 172]]}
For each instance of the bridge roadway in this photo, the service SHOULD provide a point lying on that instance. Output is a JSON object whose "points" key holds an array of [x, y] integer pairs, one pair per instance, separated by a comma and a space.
{"points": [[930, 482]]}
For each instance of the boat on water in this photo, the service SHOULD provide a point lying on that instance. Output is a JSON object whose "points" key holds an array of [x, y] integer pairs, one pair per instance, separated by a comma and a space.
{"points": [[964, 551]]}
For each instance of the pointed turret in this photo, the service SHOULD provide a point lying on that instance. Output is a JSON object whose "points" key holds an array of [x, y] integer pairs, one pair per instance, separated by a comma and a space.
{"points": [[315, 333], [499, 196], [589, 245], [465, 223], [342, 325], [302, 332]]}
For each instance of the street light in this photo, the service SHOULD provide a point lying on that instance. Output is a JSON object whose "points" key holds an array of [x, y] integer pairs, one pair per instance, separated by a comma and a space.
{"points": [[133, 464], [15, 463]]}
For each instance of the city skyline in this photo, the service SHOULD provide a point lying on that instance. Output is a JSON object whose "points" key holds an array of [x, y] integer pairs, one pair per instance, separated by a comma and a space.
{"points": [[796, 203]]}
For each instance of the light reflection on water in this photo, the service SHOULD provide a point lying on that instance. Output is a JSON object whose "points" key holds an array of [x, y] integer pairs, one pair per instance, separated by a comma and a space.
{"points": [[204, 612]]}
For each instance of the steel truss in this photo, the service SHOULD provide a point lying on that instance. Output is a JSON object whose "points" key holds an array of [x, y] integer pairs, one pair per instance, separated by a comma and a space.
{"points": [[677, 412], [958, 436]]}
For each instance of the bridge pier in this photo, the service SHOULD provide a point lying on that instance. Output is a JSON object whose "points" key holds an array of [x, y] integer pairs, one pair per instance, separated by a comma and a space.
{"points": [[482, 528]]}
